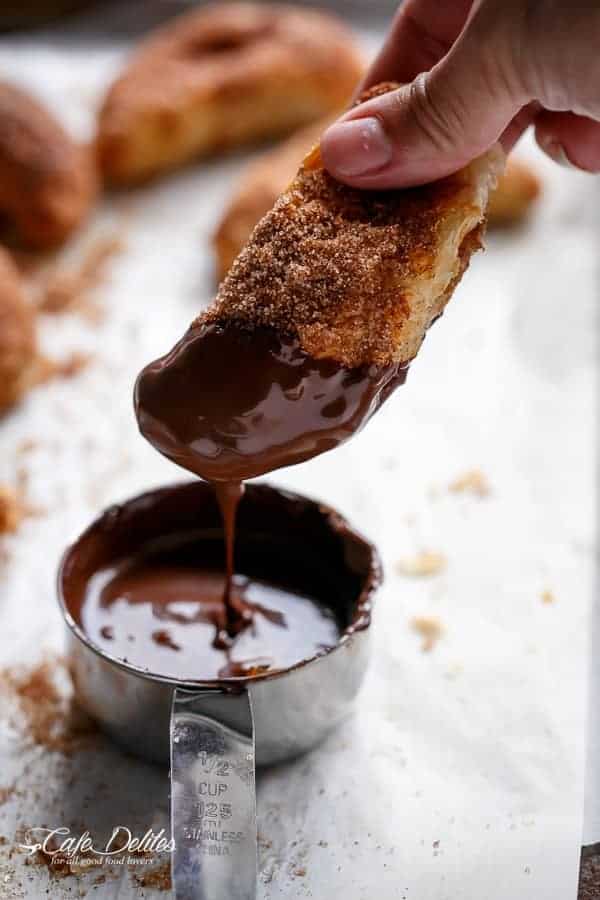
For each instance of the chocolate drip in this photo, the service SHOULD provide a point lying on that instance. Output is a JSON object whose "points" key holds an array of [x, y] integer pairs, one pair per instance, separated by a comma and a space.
{"points": [[229, 494], [231, 402]]}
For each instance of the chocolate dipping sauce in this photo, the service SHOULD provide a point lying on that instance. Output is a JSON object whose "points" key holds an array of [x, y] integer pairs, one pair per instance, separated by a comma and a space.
{"points": [[144, 583], [229, 403]]}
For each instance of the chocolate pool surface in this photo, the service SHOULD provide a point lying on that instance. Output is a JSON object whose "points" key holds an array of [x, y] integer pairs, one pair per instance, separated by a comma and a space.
{"points": [[159, 611]]}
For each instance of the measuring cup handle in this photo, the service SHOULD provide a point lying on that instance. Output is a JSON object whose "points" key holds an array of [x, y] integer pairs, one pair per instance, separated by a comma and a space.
{"points": [[213, 796]]}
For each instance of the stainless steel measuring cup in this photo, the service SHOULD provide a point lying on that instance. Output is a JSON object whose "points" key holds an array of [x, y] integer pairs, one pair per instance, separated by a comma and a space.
{"points": [[215, 732]]}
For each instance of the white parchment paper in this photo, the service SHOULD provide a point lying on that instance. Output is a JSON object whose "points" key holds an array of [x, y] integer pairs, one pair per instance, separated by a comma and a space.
{"points": [[461, 775]]}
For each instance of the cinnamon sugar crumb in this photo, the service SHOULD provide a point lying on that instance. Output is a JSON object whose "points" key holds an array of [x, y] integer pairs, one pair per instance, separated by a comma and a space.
{"points": [[14, 506], [70, 291], [159, 878], [5, 794], [48, 714], [11, 510], [423, 564], [547, 596], [473, 481], [430, 629], [72, 365], [58, 866]]}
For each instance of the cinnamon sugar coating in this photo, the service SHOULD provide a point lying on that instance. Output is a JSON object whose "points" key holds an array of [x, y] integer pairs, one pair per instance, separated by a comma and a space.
{"points": [[358, 276], [263, 180], [221, 76], [47, 181], [18, 344]]}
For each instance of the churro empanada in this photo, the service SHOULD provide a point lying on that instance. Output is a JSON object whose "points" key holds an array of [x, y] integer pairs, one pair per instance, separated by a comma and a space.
{"points": [[47, 181], [219, 77], [316, 323]]}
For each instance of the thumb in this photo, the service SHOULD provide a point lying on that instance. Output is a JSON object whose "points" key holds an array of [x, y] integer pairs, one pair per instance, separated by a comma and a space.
{"points": [[427, 129]]}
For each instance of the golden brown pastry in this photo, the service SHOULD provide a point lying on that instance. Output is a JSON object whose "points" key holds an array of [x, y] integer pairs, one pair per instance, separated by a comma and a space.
{"points": [[518, 189], [47, 181], [261, 184], [358, 276], [219, 77], [18, 345]]}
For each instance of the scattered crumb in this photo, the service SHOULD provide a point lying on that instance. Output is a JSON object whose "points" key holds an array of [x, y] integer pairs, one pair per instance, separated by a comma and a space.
{"points": [[5, 794], [27, 445], [436, 845], [14, 506], [473, 482], [58, 866], [159, 878], [425, 563], [430, 629], [49, 716], [323, 844], [72, 365], [299, 873], [11, 510], [69, 291], [547, 596]]}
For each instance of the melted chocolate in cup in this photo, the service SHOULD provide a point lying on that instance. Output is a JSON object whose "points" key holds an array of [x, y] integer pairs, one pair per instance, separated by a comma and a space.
{"points": [[163, 613], [145, 584], [231, 402]]}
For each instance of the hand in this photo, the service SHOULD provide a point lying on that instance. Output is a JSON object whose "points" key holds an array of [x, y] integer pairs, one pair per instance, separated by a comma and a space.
{"points": [[475, 71]]}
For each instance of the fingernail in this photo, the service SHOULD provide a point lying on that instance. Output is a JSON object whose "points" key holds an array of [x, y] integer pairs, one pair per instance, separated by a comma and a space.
{"points": [[357, 147], [557, 152]]}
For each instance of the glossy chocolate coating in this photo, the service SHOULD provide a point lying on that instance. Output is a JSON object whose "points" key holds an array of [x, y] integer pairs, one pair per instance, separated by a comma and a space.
{"points": [[230, 403]]}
